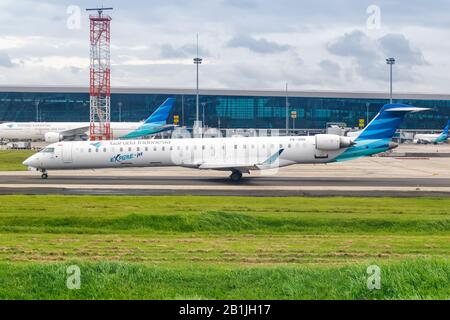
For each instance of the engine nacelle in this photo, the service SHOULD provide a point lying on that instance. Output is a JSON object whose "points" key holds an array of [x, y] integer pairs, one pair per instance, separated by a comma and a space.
{"points": [[53, 137], [331, 142]]}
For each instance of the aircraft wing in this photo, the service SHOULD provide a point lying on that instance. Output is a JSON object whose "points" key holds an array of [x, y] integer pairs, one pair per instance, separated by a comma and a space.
{"points": [[269, 163], [75, 132], [228, 166]]}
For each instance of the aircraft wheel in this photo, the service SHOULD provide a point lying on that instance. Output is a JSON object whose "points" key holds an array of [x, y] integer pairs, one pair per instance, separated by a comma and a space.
{"points": [[44, 176], [236, 176]]}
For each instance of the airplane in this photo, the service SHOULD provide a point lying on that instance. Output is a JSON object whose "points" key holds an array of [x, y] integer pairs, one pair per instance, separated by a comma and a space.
{"points": [[58, 131], [433, 138], [236, 154]]}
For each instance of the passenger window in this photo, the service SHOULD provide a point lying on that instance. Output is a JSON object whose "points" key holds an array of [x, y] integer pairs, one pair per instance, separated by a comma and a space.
{"points": [[163, 149], [289, 146], [281, 146], [154, 148], [146, 148], [121, 150], [96, 150], [104, 149], [244, 146], [203, 147], [89, 150], [138, 149], [235, 147], [129, 149]]}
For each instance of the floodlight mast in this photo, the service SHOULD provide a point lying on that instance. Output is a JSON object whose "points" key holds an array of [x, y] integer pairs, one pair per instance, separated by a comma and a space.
{"points": [[390, 62]]}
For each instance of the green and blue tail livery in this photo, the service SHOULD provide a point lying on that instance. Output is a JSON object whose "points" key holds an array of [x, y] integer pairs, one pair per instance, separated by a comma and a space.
{"points": [[376, 137]]}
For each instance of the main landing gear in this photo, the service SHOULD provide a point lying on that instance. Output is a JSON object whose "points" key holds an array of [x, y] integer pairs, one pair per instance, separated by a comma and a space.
{"points": [[44, 174], [236, 176]]}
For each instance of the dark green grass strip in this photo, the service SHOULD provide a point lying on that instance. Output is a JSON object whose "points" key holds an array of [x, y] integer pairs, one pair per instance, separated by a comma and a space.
{"points": [[422, 279]]}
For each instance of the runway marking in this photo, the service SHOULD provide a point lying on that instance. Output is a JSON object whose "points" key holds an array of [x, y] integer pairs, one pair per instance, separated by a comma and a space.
{"points": [[229, 187]]}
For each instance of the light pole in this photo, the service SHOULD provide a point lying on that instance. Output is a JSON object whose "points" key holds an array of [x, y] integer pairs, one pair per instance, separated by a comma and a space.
{"points": [[197, 62], [120, 110], [367, 113], [182, 110], [390, 62], [37, 110], [203, 113], [287, 110]]}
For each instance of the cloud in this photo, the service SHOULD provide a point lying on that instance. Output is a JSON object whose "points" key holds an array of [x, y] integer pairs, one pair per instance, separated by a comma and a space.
{"points": [[396, 45], [312, 45], [353, 44], [262, 45], [245, 4], [167, 51], [5, 60], [368, 54], [331, 68]]}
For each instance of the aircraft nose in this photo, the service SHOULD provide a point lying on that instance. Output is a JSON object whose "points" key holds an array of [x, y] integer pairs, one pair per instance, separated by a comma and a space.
{"points": [[30, 162]]}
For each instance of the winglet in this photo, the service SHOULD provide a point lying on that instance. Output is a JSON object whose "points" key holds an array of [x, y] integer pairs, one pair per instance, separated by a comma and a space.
{"points": [[269, 161]]}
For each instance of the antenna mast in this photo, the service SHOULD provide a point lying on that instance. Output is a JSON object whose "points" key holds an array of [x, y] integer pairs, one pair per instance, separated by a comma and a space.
{"points": [[100, 74]]}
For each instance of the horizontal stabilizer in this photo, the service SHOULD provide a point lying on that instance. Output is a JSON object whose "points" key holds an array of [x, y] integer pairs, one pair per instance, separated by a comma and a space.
{"points": [[407, 109]]}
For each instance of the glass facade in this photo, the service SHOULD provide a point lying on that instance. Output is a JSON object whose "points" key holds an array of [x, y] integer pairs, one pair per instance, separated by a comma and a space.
{"points": [[231, 111]]}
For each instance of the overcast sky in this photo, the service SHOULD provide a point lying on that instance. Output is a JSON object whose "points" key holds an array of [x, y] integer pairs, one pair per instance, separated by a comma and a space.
{"points": [[246, 44]]}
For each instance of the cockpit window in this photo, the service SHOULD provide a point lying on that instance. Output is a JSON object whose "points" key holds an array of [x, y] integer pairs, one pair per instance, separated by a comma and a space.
{"points": [[49, 150]]}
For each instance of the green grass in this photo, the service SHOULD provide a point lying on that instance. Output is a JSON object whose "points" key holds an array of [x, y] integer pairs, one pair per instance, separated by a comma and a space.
{"points": [[106, 280], [11, 160], [224, 247]]}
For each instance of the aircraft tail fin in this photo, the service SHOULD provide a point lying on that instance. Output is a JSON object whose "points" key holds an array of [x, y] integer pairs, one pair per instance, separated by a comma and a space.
{"points": [[161, 114], [387, 121], [447, 127], [444, 135]]}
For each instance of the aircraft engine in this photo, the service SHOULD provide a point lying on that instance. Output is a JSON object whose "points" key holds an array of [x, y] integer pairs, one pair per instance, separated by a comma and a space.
{"points": [[53, 137], [332, 142]]}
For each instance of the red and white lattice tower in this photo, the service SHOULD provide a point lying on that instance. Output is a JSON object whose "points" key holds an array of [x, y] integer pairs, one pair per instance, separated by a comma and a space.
{"points": [[100, 72]]}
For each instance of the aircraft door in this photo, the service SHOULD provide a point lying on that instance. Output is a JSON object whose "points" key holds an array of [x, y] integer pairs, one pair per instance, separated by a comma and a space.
{"points": [[67, 152]]}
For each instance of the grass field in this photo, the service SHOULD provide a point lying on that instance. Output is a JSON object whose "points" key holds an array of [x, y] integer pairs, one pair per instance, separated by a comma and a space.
{"points": [[224, 247], [11, 160]]}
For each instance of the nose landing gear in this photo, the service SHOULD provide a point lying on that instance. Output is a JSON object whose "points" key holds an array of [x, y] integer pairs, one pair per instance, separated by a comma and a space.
{"points": [[44, 174]]}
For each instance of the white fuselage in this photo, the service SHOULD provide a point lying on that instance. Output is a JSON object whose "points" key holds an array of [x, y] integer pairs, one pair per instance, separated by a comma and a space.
{"points": [[425, 138], [36, 131], [201, 153]]}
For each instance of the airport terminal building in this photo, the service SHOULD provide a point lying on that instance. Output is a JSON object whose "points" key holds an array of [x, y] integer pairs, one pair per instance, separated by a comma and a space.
{"points": [[220, 108]]}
